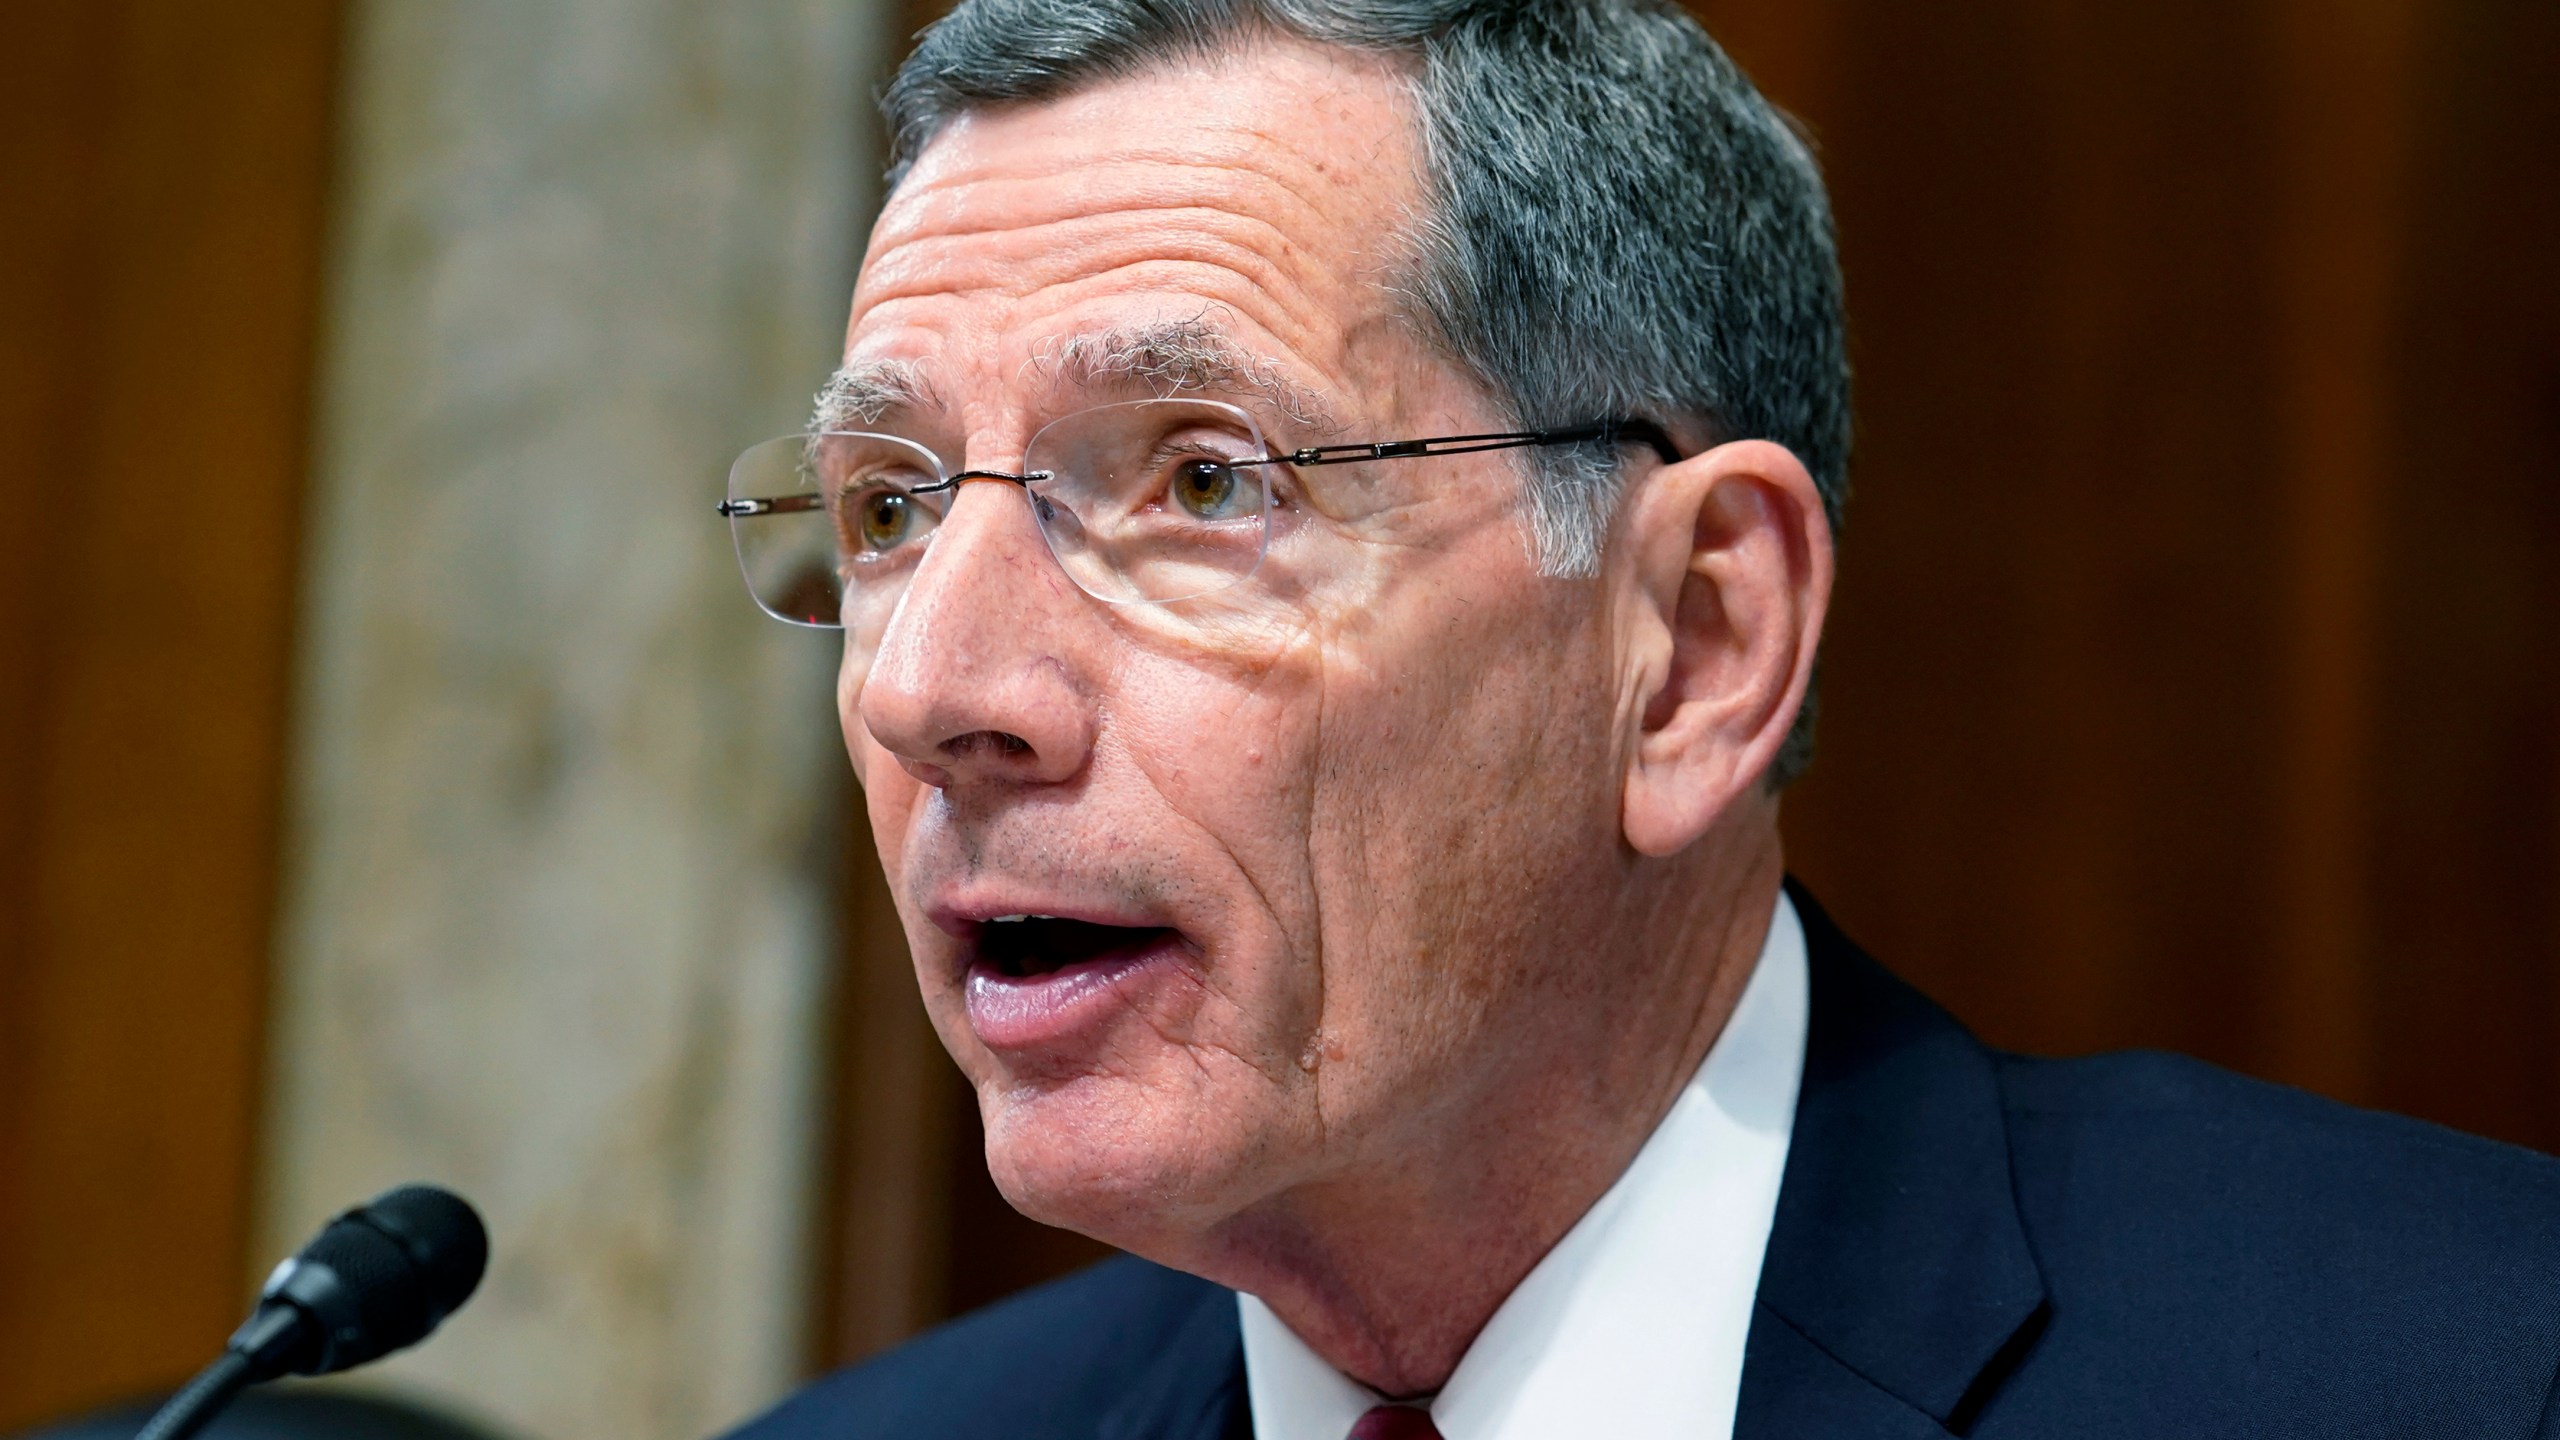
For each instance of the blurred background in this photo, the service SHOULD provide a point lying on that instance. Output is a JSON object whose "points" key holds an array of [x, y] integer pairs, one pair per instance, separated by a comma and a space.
{"points": [[396, 783]]}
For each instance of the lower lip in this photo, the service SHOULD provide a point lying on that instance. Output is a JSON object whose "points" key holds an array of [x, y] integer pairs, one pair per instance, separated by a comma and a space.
{"points": [[1017, 1012]]}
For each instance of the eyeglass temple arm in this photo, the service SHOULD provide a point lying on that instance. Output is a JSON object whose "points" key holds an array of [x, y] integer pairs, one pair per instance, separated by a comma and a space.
{"points": [[773, 505], [1626, 432]]}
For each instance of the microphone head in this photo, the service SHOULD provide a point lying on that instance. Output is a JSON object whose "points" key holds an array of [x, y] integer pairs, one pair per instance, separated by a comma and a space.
{"points": [[376, 1279], [442, 1233]]}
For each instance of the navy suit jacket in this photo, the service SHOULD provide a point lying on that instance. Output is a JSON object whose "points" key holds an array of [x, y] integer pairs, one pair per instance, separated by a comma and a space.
{"points": [[1967, 1242]]}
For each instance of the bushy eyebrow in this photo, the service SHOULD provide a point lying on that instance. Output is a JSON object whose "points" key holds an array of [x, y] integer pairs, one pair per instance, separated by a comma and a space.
{"points": [[1169, 357], [1173, 357], [859, 394]]}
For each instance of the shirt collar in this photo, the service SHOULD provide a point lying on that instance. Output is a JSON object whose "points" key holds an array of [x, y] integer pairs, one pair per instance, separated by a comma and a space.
{"points": [[1634, 1323]]}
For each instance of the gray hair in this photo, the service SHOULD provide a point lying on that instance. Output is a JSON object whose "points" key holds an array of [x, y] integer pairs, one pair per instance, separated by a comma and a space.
{"points": [[1617, 222]]}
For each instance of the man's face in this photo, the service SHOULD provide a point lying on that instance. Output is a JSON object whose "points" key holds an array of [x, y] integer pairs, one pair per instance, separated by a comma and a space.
{"points": [[1320, 847]]}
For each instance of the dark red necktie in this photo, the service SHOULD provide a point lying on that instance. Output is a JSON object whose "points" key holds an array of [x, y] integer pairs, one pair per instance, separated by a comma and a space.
{"points": [[1395, 1422]]}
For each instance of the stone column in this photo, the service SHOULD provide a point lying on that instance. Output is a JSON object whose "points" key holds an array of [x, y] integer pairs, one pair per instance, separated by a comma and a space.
{"points": [[557, 917]]}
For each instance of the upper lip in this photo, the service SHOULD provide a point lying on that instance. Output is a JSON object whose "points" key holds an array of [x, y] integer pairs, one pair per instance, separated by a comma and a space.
{"points": [[976, 941], [963, 919]]}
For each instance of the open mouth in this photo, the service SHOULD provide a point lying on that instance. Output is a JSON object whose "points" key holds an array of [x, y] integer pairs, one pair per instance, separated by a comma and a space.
{"points": [[1026, 946], [1038, 981]]}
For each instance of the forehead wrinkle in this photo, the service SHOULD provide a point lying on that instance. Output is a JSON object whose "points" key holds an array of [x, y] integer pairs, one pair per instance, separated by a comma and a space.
{"points": [[1239, 261], [1256, 173], [1023, 255], [1269, 302], [1215, 274], [1315, 182], [1004, 224]]}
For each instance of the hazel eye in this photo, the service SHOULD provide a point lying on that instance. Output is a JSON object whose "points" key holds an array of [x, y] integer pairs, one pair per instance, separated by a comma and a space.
{"points": [[884, 519], [1207, 490]]}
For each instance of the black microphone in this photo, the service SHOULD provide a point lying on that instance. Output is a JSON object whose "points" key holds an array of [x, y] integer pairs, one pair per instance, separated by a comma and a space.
{"points": [[374, 1280]]}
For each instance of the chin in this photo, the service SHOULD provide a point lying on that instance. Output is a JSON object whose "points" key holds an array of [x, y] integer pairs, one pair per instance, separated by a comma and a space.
{"points": [[1113, 1158]]}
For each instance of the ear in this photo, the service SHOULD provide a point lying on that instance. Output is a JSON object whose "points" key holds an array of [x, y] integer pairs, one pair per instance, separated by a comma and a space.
{"points": [[1726, 578]]}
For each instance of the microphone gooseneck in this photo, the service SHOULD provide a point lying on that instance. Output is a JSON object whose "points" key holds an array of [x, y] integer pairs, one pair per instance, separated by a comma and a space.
{"points": [[199, 1400], [376, 1279]]}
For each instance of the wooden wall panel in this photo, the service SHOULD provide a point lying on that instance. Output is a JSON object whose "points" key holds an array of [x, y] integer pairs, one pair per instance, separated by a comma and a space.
{"points": [[164, 162], [2462, 867], [2193, 676], [2053, 642]]}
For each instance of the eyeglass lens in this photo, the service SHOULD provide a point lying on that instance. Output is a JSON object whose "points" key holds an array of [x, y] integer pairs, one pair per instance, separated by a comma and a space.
{"points": [[1138, 502]]}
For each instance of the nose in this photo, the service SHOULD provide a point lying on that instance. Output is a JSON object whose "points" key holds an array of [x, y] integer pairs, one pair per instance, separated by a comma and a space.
{"points": [[978, 678]]}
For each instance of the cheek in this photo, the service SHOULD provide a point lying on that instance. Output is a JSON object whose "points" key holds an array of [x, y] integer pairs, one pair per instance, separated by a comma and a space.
{"points": [[1231, 758], [1455, 778], [1229, 746]]}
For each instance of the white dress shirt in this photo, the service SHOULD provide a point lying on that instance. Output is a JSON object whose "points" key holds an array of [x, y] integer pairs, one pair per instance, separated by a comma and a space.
{"points": [[1633, 1324]]}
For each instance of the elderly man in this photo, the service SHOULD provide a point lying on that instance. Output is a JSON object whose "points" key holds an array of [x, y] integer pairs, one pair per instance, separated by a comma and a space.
{"points": [[1331, 506]]}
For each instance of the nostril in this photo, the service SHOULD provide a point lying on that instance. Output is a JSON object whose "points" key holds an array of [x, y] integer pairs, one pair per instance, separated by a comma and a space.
{"points": [[991, 744]]}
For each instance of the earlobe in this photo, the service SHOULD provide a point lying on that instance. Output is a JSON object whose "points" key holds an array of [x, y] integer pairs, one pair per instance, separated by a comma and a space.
{"points": [[1729, 576]]}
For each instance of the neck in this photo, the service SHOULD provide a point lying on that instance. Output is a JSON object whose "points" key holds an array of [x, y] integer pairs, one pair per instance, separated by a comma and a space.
{"points": [[1390, 1269]]}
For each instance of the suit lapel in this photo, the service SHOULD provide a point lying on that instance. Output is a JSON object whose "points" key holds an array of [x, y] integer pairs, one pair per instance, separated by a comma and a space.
{"points": [[1898, 1277], [1193, 1389], [1793, 1387]]}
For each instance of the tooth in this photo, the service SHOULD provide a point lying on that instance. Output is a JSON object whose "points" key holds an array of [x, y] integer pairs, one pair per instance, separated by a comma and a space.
{"points": [[1006, 919]]}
